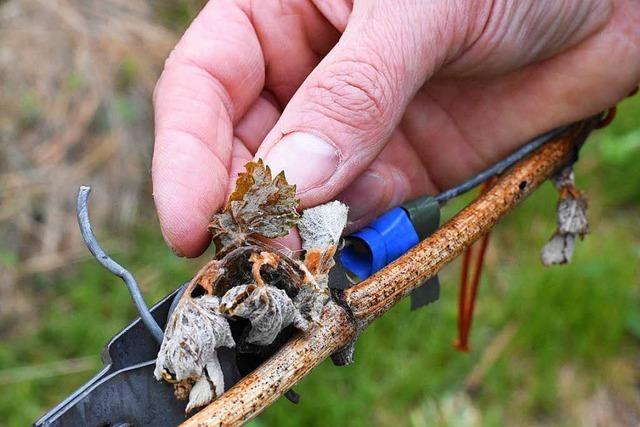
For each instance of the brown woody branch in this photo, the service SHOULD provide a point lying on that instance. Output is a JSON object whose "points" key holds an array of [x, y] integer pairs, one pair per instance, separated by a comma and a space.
{"points": [[373, 297]]}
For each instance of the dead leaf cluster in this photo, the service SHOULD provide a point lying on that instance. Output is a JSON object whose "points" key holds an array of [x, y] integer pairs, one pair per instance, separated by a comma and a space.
{"points": [[250, 297]]}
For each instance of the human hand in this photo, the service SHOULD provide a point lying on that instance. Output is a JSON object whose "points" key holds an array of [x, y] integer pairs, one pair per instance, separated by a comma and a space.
{"points": [[374, 103]]}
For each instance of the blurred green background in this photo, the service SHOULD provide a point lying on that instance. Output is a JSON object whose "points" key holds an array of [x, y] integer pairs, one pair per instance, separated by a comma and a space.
{"points": [[550, 346]]}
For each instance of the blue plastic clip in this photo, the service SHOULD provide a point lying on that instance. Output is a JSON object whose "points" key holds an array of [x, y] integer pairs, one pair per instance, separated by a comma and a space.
{"points": [[389, 237], [380, 243]]}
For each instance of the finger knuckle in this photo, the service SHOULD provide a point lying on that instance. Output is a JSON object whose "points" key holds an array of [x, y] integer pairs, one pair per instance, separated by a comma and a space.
{"points": [[354, 93]]}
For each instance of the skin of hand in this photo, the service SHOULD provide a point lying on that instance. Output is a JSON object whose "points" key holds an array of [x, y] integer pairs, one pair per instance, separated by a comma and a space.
{"points": [[374, 102]]}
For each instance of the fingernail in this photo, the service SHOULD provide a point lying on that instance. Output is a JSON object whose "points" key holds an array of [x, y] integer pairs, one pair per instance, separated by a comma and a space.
{"points": [[364, 195], [307, 160]]}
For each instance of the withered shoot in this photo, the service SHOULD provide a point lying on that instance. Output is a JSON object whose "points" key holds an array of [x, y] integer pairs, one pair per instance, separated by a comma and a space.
{"points": [[251, 297]]}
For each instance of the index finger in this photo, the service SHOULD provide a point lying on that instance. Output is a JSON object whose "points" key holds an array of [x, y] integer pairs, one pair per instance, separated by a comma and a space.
{"points": [[210, 79]]}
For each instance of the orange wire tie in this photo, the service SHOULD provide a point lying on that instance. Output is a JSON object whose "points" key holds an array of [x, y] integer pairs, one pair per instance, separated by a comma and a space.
{"points": [[611, 113], [469, 290]]}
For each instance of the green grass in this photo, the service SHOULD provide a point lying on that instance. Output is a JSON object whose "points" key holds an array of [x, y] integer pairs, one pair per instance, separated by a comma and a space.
{"points": [[579, 318]]}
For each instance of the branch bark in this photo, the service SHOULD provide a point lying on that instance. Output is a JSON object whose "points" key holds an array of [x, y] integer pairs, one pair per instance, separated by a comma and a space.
{"points": [[373, 297]]}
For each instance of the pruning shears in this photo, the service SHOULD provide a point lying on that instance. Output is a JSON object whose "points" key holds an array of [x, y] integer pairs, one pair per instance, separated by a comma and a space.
{"points": [[125, 392]]}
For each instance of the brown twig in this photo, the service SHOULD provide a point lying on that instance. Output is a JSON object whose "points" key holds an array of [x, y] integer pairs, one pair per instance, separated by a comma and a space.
{"points": [[373, 297]]}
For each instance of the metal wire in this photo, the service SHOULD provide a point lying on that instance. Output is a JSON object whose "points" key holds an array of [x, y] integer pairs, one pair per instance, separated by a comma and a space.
{"points": [[502, 165], [108, 263]]}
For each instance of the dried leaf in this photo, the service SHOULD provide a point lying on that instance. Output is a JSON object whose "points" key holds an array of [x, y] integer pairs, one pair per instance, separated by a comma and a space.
{"points": [[572, 215], [225, 233], [559, 249], [208, 387], [571, 219], [249, 280], [201, 394], [319, 263], [194, 331], [322, 226], [268, 309], [320, 230], [310, 302], [259, 205], [214, 372]]}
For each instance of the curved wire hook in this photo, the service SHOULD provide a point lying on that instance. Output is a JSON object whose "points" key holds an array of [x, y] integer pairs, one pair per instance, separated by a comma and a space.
{"points": [[108, 263]]}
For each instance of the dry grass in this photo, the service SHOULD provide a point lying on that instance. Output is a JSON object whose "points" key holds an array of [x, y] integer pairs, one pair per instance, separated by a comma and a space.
{"points": [[76, 79]]}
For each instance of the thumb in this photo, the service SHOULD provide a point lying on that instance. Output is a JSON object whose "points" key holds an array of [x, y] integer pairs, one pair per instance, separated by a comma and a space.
{"points": [[344, 112]]}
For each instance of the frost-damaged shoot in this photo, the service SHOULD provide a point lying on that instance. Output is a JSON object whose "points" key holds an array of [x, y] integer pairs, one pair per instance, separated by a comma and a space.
{"points": [[250, 297], [259, 320], [571, 219]]}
